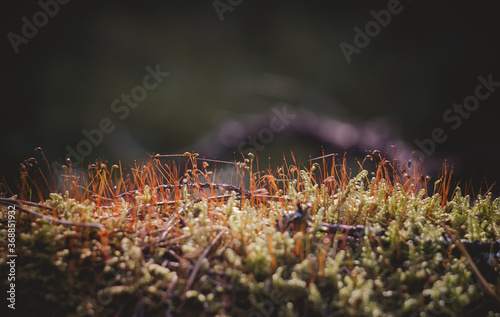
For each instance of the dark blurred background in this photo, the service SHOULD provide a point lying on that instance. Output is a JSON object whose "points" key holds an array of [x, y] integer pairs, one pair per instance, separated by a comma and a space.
{"points": [[262, 55]]}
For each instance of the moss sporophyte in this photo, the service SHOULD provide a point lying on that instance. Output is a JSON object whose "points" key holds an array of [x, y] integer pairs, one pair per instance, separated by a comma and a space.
{"points": [[189, 236]]}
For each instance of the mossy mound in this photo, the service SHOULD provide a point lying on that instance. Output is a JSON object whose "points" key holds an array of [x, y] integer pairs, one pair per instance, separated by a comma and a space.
{"points": [[360, 246]]}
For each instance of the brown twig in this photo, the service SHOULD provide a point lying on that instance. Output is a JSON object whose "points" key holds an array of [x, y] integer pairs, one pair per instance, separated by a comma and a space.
{"points": [[222, 198], [19, 203], [473, 266], [189, 185], [199, 263]]}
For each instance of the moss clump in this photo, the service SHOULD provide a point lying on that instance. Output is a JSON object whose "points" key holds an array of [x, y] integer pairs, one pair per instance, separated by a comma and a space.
{"points": [[200, 248]]}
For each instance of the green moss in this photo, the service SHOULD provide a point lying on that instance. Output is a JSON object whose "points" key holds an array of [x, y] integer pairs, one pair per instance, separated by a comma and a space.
{"points": [[145, 264]]}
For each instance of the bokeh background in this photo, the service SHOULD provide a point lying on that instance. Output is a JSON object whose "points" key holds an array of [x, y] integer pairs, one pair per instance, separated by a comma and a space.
{"points": [[263, 54]]}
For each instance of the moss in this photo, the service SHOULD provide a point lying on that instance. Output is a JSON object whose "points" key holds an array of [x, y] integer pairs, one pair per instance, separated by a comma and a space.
{"points": [[213, 253]]}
